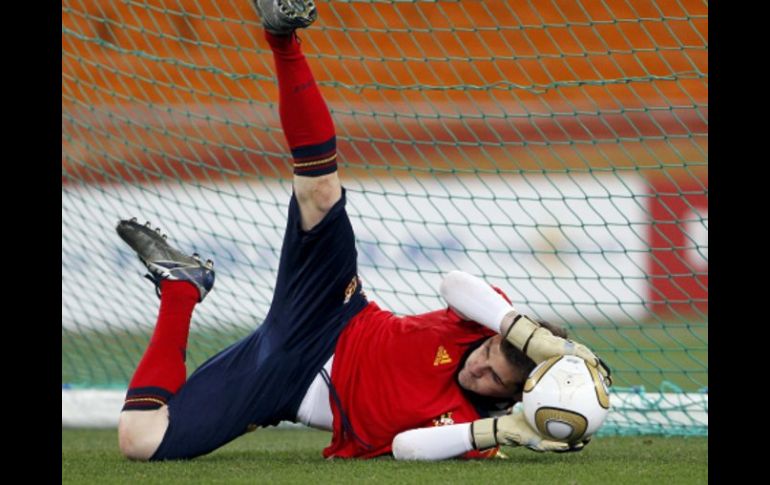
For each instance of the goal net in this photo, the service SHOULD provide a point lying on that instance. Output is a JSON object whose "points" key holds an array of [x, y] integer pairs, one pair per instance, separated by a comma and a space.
{"points": [[556, 149]]}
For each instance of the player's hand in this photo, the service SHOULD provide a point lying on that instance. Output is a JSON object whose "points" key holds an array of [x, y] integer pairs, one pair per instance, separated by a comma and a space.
{"points": [[511, 430], [605, 371], [539, 344]]}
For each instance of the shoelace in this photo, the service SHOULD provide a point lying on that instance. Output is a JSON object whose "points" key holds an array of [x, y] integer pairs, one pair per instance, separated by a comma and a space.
{"points": [[156, 281]]}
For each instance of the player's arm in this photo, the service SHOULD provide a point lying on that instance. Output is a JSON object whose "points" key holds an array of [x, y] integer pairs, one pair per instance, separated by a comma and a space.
{"points": [[451, 441], [476, 300], [432, 444]]}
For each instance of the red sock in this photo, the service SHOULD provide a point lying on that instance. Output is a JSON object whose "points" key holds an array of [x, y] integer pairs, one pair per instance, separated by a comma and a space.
{"points": [[161, 372], [305, 118]]}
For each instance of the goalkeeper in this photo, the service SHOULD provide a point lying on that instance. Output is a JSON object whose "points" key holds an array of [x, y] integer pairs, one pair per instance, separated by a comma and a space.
{"points": [[427, 387]]}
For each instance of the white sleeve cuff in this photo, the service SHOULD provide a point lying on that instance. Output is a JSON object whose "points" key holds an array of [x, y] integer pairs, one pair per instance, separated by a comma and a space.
{"points": [[431, 444]]}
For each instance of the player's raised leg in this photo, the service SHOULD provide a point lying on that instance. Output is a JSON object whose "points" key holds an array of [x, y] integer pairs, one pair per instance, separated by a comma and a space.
{"points": [[305, 118], [181, 282]]}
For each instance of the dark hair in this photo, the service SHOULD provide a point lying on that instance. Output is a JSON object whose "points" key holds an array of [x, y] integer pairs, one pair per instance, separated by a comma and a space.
{"points": [[516, 357]]}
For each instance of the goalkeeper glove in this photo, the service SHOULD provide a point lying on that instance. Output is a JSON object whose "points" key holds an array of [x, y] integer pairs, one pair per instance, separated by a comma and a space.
{"points": [[576, 446], [539, 344], [511, 430]]}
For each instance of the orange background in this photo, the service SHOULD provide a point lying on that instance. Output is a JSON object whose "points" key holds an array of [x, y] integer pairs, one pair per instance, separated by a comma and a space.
{"points": [[150, 92]]}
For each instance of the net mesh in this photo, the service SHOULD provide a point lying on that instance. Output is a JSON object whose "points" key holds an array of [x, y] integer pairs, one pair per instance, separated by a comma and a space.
{"points": [[556, 149]]}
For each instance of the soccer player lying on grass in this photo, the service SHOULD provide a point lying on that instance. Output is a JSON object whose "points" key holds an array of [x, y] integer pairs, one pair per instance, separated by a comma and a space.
{"points": [[419, 387]]}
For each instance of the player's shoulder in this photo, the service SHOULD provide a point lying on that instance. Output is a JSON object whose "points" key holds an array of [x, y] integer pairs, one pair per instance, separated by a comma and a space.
{"points": [[447, 322], [467, 326]]}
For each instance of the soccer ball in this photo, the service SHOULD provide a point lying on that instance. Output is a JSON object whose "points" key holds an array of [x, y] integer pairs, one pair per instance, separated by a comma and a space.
{"points": [[565, 399]]}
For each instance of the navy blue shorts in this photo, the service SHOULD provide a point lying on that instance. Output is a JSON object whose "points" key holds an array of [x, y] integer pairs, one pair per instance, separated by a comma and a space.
{"points": [[261, 380]]}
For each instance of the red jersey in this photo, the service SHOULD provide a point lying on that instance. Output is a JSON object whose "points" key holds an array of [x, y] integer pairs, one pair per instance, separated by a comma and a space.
{"points": [[395, 373]]}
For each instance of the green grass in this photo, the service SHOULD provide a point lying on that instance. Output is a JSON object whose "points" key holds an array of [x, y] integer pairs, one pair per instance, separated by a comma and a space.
{"points": [[294, 456], [109, 358], [649, 353], [642, 354]]}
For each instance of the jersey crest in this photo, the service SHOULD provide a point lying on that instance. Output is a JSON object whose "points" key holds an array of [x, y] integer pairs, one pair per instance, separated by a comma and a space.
{"points": [[442, 356], [351, 289], [444, 420]]}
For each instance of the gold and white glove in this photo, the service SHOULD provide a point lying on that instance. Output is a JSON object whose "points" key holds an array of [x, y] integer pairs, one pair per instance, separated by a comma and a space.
{"points": [[511, 430], [539, 344]]}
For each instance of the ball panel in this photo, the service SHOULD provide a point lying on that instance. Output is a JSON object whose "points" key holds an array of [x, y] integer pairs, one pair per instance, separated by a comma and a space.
{"points": [[550, 421], [538, 372], [559, 431], [602, 393]]}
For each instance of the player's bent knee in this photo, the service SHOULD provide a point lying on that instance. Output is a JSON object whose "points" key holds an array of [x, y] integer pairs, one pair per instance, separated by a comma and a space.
{"points": [[141, 432], [319, 192], [133, 444]]}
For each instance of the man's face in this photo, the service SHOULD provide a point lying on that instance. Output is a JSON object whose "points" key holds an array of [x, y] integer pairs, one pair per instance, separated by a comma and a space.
{"points": [[487, 372]]}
